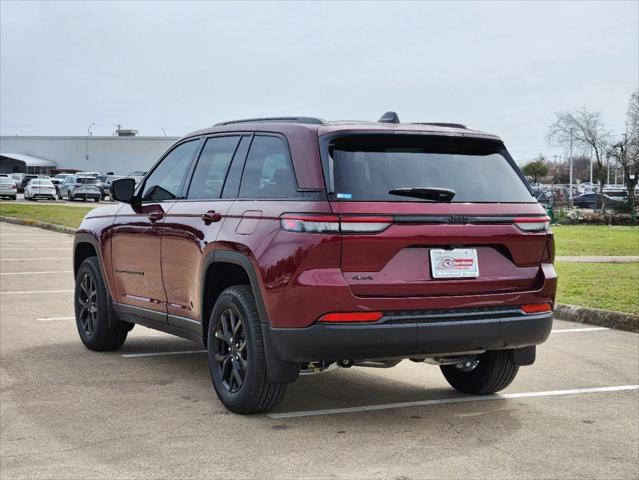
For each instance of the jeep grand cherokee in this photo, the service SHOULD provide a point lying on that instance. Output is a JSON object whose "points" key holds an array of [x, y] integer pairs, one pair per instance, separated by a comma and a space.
{"points": [[290, 245]]}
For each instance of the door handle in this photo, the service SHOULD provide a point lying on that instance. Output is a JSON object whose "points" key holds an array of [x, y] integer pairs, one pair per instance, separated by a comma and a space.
{"points": [[155, 216], [211, 216]]}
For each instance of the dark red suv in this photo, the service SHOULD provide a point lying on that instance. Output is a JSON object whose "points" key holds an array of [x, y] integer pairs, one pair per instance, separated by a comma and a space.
{"points": [[295, 244]]}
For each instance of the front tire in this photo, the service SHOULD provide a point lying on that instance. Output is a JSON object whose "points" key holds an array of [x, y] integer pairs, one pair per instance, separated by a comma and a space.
{"points": [[237, 361], [92, 307], [494, 371]]}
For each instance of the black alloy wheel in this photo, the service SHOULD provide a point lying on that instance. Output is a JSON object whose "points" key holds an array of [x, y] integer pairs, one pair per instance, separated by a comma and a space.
{"points": [[96, 321], [230, 352], [236, 354], [88, 301]]}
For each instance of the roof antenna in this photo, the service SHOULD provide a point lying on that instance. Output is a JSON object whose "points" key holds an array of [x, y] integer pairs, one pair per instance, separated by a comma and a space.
{"points": [[389, 117]]}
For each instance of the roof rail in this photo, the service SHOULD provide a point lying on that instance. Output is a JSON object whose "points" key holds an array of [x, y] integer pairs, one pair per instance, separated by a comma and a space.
{"points": [[312, 120], [442, 124]]}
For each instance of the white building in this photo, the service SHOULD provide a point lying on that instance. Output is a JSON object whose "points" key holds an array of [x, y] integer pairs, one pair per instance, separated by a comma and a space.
{"points": [[121, 154]]}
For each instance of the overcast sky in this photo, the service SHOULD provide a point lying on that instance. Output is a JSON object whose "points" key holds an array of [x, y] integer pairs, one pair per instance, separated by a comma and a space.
{"points": [[501, 67]]}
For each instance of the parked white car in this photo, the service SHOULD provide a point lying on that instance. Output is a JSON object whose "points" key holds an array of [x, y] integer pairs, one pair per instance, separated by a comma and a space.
{"points": [[40, 188]]}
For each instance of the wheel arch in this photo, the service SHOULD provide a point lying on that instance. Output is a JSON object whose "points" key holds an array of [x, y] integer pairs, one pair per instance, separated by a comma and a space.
{"points": [[278, 370], [85, 245], [231, 263]]}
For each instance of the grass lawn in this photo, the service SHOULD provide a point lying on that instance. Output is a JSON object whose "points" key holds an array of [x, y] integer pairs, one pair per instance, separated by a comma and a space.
{"points": [[596, 240], [58, 214], [611, 286]]}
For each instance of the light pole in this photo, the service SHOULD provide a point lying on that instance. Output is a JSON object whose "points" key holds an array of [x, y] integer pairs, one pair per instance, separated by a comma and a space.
{"points": [[591, 167], [88, 134], [570, 200]]}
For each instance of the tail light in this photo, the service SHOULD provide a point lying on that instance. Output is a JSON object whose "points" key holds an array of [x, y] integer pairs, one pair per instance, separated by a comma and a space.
{"points": [[536, 308], [13, 187], [346, 317], [312, 223], [533, 224]]}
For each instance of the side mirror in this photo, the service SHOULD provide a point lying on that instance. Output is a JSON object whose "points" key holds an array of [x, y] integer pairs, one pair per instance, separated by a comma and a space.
{"points": [[123, 190]]}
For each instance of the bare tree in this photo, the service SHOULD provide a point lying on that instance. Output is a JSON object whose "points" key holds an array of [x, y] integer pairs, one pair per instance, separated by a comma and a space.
{"points": [[585, 129], [625, 150]]}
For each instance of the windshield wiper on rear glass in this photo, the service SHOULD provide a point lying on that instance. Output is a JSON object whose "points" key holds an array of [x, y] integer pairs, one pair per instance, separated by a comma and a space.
{"points": [[426, 193]]}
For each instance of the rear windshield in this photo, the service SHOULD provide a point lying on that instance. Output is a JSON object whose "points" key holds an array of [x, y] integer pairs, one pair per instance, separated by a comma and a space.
{"points": [[42, 182], [368, 167], [88, 180], [6, 180]]}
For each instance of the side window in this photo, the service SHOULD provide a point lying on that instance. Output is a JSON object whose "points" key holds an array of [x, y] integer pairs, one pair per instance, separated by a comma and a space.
{"points": [[268, 172], [209, 174], [165, 181]]}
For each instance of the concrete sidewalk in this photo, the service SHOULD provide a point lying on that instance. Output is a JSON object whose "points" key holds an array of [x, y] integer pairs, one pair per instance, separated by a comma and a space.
{"points": [[598, 258]]}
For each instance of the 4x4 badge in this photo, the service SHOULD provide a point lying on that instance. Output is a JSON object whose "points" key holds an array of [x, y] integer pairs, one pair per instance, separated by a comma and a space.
{"points": [[458, 219]]}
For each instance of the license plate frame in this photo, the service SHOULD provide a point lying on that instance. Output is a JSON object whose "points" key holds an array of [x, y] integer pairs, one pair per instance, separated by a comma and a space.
{"points": [[455, 263]]}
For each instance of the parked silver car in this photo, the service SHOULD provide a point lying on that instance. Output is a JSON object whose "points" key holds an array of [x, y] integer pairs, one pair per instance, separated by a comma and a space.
{"points": [[83, 188], [8, 188]]}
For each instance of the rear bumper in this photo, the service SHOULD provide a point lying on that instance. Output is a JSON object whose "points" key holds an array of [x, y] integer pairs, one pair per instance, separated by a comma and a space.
{"points": [[87, 194], [428, 334]]}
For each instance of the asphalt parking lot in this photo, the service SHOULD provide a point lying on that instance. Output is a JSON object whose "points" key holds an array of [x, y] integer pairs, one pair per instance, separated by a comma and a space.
{"points": [[148, 410]]}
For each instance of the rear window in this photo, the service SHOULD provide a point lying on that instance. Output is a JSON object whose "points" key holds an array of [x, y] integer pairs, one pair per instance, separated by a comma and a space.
{"points": [[87, 180], [368, 167], [6, 180]]}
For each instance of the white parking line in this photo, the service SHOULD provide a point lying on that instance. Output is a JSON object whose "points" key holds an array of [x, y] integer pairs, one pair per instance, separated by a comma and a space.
{"points": [[442, 401], [24, 259], [35, 273], [39, 248], [37, 291], [588, 329], [51, 319], [36, 244], [44, 238], [157, 354]]}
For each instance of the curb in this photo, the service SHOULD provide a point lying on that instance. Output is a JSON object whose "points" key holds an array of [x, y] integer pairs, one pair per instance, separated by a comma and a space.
{"points": [[36, 223], [597, 316]]}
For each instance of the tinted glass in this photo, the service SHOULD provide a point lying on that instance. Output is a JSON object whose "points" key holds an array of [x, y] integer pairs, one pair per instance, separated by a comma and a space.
{"points": [[267, 172], [86, 180], [165, 181], [367, 167], [232, 183], [5, 180], [210, 172]]}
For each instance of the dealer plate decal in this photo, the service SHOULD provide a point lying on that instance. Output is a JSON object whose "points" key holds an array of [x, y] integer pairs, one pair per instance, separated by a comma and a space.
{"points": [[456, 263]]}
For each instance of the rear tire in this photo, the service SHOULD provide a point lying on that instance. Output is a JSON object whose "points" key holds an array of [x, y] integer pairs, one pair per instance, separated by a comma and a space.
{"points": [[494, 372], [92, 308], [237, 361]]}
